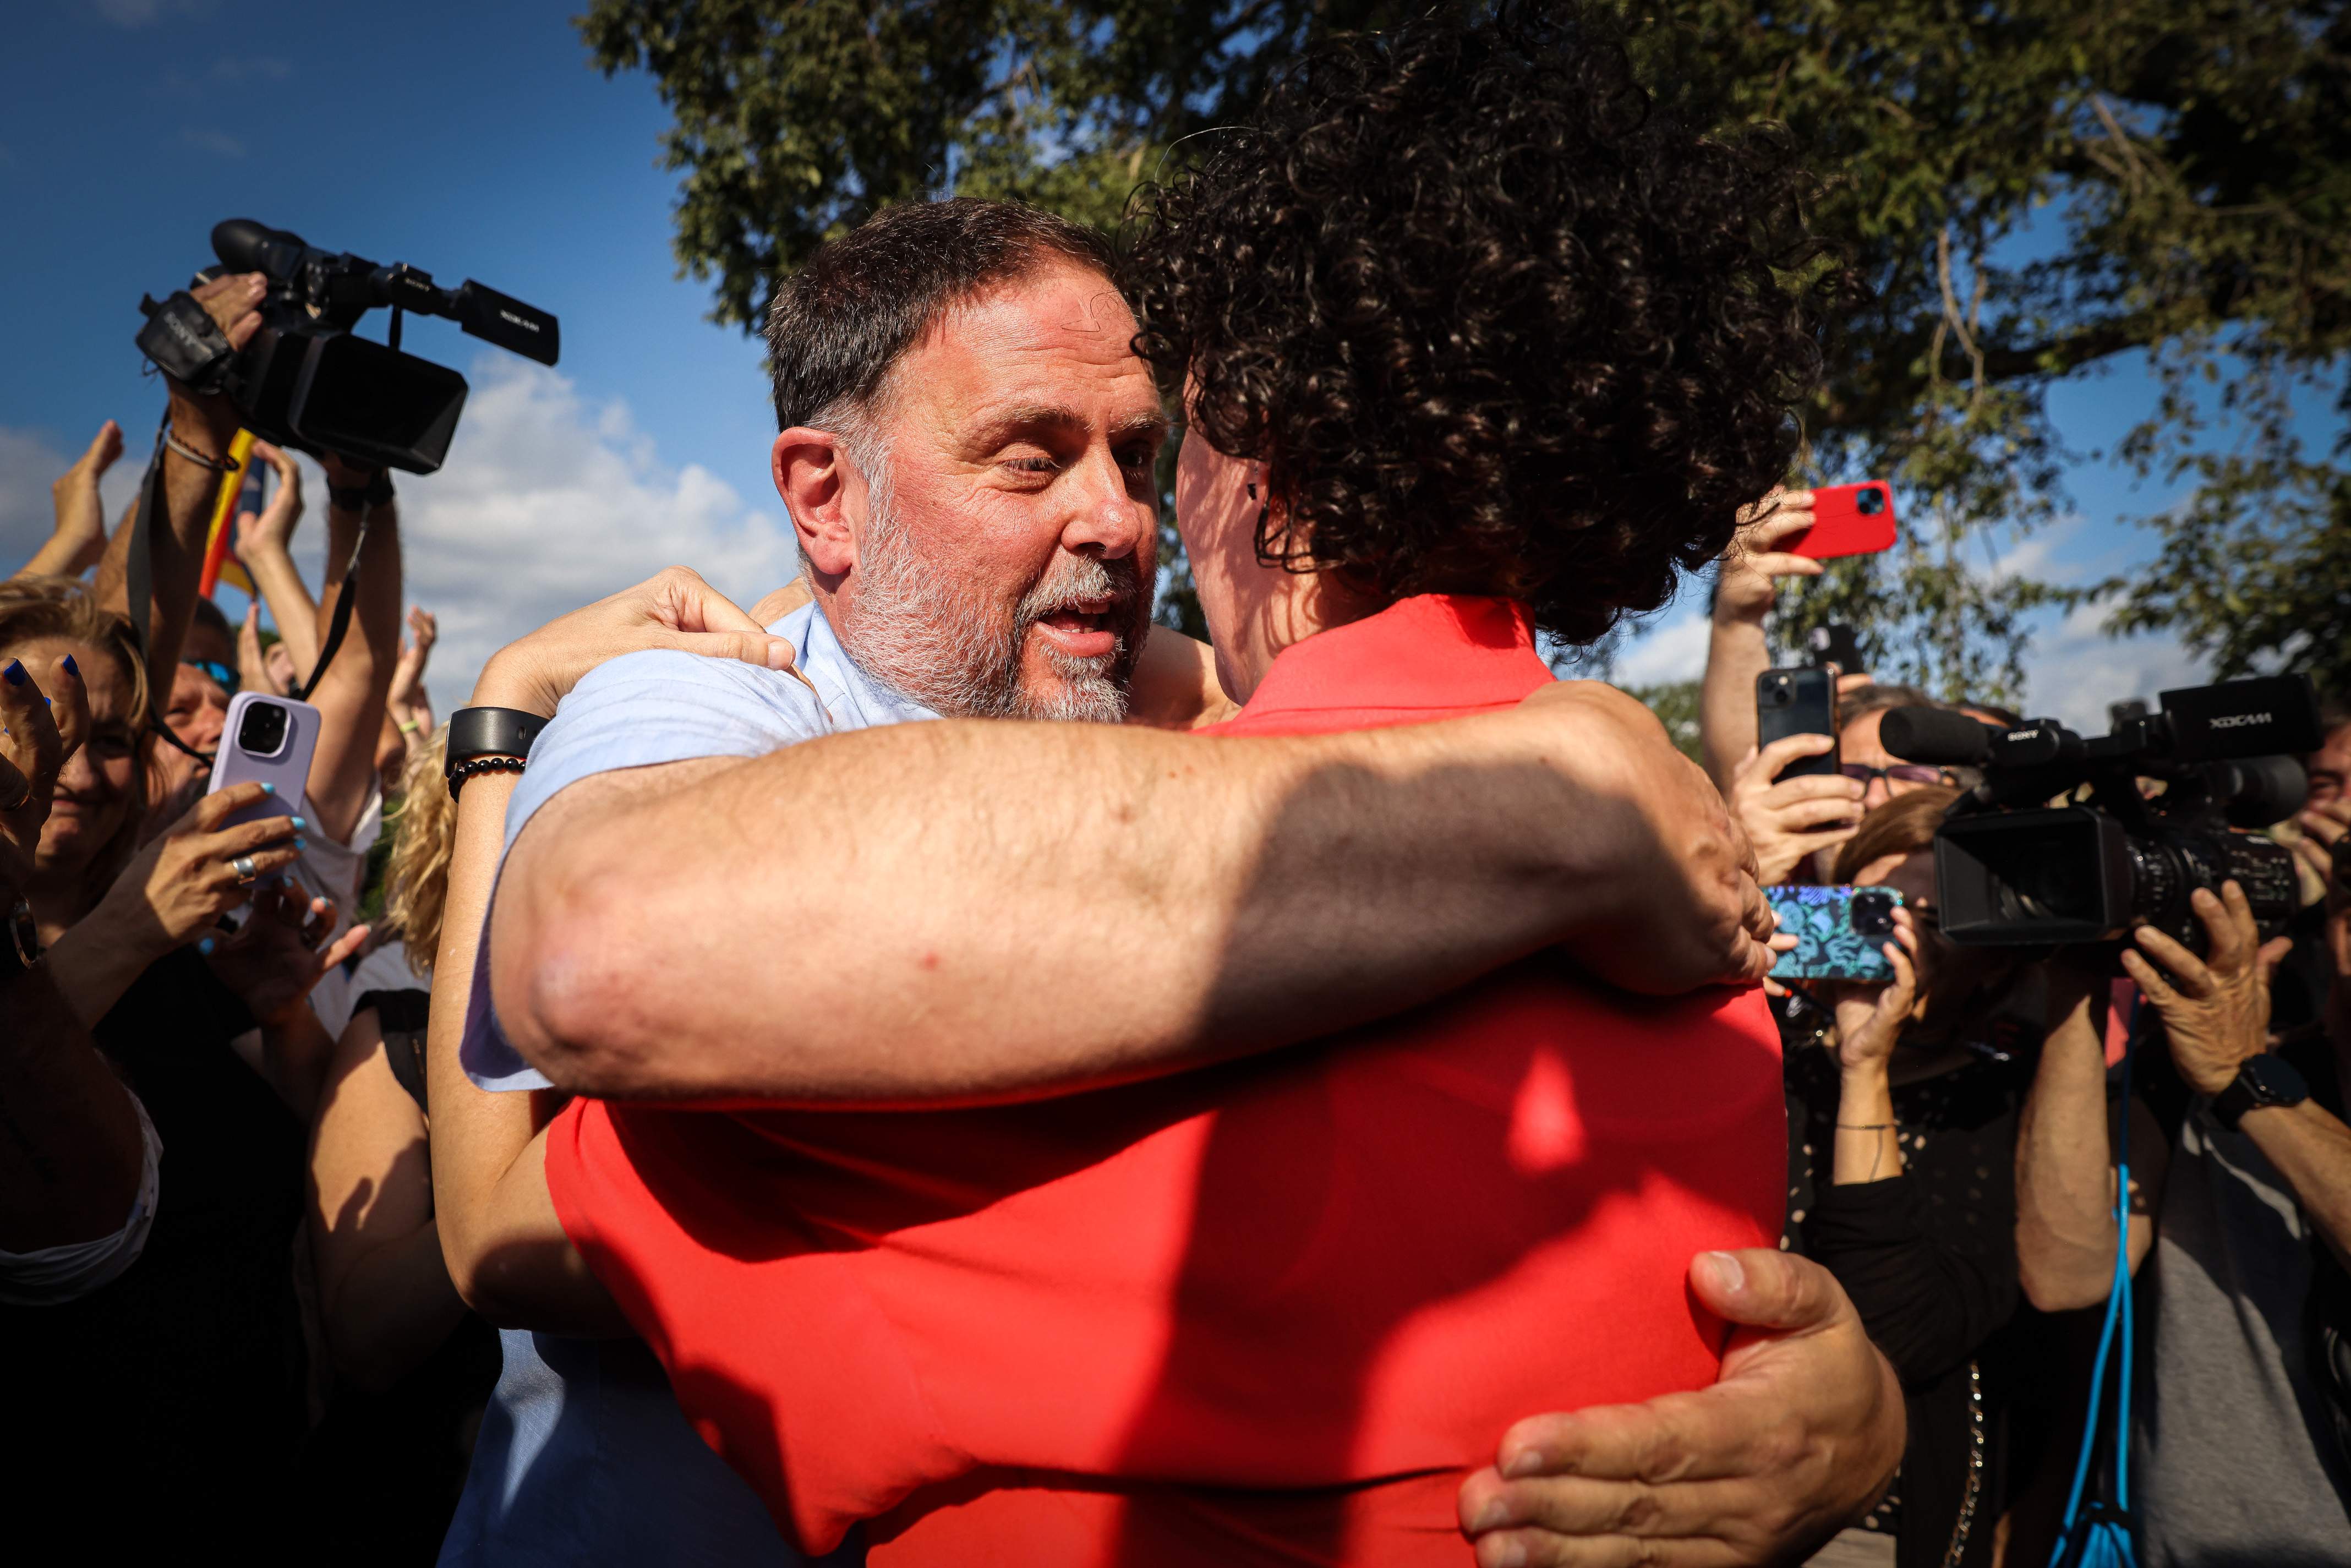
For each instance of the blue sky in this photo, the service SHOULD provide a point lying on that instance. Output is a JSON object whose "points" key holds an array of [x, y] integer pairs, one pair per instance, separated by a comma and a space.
{"points": [[477, 141]]}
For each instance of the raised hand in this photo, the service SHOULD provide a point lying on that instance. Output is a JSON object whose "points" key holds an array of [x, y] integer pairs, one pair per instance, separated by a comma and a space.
{"points": [[270, 531], [1746, 588], [410, 705], [1789, 819], [274, 960], [38, 731], [81, 535]]}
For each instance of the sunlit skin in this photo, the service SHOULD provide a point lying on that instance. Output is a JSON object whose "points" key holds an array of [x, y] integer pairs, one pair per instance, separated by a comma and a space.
{"points": [[2330, 767], [1021, 427], [94, 790], [1257, 613]]}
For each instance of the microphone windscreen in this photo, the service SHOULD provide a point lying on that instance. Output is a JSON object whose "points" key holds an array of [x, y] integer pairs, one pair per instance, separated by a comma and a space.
{"points": [[1936, 735]]}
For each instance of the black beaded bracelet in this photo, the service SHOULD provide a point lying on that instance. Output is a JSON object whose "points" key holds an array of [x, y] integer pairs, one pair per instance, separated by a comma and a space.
{"points": [[460, 771]]}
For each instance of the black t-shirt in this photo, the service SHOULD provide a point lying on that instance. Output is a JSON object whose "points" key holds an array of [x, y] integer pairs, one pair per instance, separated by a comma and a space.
{"points": [[166, 1409]]}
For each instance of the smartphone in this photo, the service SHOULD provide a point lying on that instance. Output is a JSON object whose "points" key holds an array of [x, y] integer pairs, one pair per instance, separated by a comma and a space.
{"points": [[1840, 932], [1847, 519], [268, 739], [1797, 702], [1833, 643]]}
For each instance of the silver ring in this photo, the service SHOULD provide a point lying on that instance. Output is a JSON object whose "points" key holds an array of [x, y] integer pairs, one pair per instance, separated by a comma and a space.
{"points": [[247, 872]]}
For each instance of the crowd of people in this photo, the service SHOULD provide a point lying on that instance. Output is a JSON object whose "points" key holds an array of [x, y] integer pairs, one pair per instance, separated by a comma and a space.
{"points": [[935, 1067]]}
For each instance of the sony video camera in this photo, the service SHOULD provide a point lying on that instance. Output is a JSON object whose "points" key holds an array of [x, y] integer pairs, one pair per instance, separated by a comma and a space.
{"points": [[2012, 869], [307, 380]]}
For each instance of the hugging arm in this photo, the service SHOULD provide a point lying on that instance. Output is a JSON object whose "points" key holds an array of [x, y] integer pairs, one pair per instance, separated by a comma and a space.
{"points": [[962, 911]]}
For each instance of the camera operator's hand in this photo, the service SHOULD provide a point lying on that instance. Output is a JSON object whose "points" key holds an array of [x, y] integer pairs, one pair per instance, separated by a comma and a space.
{"points": [[273, 961], [1799, 1433], [1789, 819], [674, 610], [38, 732], [234, 303], [1744, 588], [1869, 1016], [2216, 1009]]}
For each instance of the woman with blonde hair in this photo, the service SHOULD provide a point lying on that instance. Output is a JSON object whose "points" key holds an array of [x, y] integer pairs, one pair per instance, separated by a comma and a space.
{"points": [[386, 1468]]}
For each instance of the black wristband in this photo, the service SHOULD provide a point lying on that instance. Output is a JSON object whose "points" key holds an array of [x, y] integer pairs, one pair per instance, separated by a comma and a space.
{"points": [[2266, 1080], [490, 732], [374, 493]]}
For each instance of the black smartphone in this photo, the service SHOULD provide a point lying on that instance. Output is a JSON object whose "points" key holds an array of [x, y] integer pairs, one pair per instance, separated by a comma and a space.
{"points": [[1833, 643], [1797, 702]]}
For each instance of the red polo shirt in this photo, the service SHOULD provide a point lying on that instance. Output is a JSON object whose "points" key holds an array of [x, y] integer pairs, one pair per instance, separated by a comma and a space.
{"points": [[1265, 1312]]}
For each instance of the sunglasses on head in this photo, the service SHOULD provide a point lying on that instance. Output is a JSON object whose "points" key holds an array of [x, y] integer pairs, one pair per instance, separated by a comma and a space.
{"points": [[1898, 773], [219, 673]]}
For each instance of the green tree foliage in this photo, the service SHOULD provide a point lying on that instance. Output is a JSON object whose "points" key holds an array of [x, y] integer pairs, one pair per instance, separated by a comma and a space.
{"points": [[2034, 190]]}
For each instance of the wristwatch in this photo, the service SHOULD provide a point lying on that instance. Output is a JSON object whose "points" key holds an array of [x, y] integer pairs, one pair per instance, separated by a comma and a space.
{"points": [[488, 740], [2264, 1079]]}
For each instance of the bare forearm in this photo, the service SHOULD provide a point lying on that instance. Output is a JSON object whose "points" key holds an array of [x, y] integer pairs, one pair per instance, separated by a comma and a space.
{"points": [[392, 1310], [178, 535], [70, 1144], [1868, 1147], [954, 911], [290, 605], [65, 556], [1735, 653], [2064, 1172], [351, 692], [505, 1253], [2312, 1149]]}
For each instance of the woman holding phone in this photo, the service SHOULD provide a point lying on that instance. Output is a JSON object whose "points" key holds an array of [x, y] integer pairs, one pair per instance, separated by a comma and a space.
{"points": [[183, 1372]]}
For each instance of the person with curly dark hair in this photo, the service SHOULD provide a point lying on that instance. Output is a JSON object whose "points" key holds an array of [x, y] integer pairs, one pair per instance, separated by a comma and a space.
{"points": [[1245, 1307]]}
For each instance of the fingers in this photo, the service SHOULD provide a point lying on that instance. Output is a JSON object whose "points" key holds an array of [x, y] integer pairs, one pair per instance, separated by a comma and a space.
{"points": [[1774, 759], [31, 740], [344, 946], [104, 448], [2155, 987], [208, 813], [2271, 954], [2236, 934], [1808, 810], [2187, 972], [748, 647], [235, 303], [1764, 1288], [683, 601], [246, 837], [2328, 824]]}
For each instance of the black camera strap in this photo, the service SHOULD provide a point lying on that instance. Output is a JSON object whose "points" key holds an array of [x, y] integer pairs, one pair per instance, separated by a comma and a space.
{"points": [[338, 623]]}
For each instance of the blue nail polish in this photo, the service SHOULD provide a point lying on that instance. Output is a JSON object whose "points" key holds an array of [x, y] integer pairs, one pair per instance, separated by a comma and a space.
{"points": [[205, 947], [15, 672], [268, 788], [299, 841], [298, 823], [71, 668]]}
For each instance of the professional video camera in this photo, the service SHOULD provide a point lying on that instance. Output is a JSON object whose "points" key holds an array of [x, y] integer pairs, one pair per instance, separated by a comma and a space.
{"points": [[305, 380], [2012, 869]]}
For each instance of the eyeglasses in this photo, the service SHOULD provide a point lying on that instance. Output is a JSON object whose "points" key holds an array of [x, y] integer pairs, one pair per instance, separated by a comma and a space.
{"points": [[219, 673], [1898, 773]]}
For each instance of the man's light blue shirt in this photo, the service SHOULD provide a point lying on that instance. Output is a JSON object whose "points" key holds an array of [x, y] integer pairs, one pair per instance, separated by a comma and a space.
{"points": [[662, 705]]}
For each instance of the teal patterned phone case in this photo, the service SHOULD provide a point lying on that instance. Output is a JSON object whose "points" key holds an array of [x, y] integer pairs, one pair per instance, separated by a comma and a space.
{"points": [[1838, 930]]}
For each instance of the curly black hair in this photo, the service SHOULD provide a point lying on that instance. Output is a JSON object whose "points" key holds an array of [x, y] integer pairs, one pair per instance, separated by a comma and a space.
{"points": [[1496, 322]]}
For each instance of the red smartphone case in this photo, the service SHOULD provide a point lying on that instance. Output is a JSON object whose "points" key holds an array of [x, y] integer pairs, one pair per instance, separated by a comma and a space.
{"points": [[1847, 519]]}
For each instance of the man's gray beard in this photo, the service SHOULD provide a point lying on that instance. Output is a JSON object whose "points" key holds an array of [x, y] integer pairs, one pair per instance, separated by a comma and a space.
{"points": [[950, 649]]}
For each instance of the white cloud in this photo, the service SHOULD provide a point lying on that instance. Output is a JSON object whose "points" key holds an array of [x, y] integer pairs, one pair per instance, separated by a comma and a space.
{"points": [[1672, 648], [2075, 670], [29, 463], [548, 501]]}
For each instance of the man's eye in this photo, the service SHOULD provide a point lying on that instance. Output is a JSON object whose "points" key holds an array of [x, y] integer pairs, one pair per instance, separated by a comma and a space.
{"points": [[1036, 464]]}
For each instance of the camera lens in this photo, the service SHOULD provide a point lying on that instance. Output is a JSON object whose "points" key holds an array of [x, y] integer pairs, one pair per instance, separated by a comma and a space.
{"points": [[262, 731], [1870, 502], [1873, 912]]}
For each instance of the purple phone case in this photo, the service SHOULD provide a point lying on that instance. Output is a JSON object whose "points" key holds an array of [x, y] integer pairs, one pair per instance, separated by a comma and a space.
{"points": [[287, 769]]}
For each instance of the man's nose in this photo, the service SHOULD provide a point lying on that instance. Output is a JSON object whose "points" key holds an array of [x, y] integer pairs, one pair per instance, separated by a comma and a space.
{"points": [[1107, 521], [1877, 795]]}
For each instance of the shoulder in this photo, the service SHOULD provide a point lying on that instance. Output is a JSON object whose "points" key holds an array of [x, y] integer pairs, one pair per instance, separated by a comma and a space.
{"points": [[665, 706]]}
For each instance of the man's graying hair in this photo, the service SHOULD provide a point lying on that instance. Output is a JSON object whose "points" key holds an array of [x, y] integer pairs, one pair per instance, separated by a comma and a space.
{"points": [[837, 326]]}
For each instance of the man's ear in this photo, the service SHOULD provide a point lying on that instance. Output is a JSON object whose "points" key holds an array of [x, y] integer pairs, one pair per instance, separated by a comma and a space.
{"points": [[815, 478]]}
